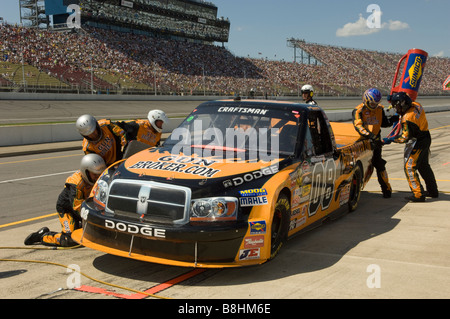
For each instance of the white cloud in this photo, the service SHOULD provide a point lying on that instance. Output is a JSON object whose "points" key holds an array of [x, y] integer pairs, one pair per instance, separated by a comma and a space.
{"points": [[356, 28], [397, 25], [440, 54], [360, 27]]}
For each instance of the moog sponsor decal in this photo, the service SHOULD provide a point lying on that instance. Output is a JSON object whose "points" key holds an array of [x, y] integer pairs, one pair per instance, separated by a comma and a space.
{"points": [[253, 197]]}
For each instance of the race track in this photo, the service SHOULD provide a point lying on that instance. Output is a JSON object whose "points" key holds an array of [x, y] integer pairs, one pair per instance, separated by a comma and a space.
{"points": [[21, 112]]}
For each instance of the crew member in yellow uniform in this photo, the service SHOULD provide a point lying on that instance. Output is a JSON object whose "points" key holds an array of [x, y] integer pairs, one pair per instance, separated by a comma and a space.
{"points": [[417, 137], [368, 119], [147, 131], [103, 137], [76, 190]]}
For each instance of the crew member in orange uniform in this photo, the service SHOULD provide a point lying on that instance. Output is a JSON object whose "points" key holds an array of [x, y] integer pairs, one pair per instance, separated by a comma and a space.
{"points": [[146, 131], [76, 190], [417, 137], [368, 119], [104, 138]]}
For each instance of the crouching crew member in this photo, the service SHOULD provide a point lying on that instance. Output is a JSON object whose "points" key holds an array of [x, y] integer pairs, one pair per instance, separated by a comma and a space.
{"points": [[76, 190]]}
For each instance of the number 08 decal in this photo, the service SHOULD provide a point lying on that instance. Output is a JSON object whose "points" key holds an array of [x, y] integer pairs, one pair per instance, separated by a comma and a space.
{"points": [[322, 186]]}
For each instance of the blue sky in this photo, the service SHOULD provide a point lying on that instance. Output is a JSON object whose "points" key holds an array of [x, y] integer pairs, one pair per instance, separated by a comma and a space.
{"points": [[262, 26]]}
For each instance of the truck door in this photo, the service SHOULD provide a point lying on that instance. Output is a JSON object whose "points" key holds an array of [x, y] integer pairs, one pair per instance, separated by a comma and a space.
{"points": [[323, 165]]}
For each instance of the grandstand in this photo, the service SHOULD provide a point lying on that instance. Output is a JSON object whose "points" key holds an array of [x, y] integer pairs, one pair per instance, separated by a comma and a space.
{"points": [[182, 19], [104, 59], [191, 20]]}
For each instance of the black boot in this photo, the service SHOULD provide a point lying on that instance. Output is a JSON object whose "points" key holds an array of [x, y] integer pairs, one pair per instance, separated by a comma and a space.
{"points": [[387, 194], [36, 238], [415, 199], [432, 195]]}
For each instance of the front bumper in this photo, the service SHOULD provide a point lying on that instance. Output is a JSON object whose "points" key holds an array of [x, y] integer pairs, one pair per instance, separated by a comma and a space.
{"points": [[201, 245]]}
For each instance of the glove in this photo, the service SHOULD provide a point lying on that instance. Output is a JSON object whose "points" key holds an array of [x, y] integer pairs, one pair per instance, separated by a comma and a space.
{"points": [[394, 119], [376, 143], [388, 140]]}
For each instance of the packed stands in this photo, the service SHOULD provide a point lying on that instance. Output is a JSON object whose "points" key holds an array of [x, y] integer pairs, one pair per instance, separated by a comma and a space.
{"points": [[125, 63]]}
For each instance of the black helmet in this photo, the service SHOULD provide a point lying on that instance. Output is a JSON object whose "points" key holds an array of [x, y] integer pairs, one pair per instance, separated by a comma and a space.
{"points": [[401, 101]]}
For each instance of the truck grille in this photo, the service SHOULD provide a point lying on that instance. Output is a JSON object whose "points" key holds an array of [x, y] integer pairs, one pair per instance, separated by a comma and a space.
{"points": [[149, 201]]}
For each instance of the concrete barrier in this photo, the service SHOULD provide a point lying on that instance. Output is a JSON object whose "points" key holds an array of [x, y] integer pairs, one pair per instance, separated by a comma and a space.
{"points": [[49, 133], [104, 97]]}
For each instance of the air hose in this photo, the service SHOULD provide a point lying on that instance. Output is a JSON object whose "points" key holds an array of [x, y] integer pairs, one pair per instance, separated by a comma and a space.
{"points": [[75, 270]]}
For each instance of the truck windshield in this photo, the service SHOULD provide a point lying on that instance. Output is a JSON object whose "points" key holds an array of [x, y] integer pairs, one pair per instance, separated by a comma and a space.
{"points": [[250, 131]]}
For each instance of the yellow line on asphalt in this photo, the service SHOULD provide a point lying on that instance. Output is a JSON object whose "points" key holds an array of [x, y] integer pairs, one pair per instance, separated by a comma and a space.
{"points": [[40, 159], [404, 179], [28, 220], [438, 128]]}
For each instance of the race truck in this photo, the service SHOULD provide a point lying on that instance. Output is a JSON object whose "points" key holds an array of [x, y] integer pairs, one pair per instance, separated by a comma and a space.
{"points": [[228, 187]]}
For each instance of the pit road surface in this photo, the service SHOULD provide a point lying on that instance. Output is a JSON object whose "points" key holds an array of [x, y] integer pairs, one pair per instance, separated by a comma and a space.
{"points": [[387, 248]]}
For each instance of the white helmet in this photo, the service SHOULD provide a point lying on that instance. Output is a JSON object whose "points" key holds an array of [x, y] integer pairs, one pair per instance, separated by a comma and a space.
{"points": [[93, 163], [155, 115], [307, 88], [86, 125]]}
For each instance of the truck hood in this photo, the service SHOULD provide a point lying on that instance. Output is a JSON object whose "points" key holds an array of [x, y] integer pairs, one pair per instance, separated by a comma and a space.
{"points": [[160, 162]]}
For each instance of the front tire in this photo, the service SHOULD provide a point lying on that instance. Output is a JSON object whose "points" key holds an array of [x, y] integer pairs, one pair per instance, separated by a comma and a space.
{"points": [[280, 224]]}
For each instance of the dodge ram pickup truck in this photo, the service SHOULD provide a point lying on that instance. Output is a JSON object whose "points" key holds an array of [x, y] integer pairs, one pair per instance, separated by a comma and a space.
{"points": [[228, 187]]}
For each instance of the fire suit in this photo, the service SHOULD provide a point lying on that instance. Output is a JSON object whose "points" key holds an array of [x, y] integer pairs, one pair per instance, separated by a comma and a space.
{"points": [[109, 145], [417, 137], [68, 206], [142, 131], [368, 123]]}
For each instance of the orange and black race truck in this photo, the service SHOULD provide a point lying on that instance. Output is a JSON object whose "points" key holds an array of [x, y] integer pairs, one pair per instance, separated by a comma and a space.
{"points": [[229, 186]]}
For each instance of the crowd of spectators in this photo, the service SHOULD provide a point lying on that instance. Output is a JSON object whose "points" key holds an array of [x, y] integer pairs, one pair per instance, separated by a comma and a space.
{"points": [[182, 67], [192, 27], [362, 68]]}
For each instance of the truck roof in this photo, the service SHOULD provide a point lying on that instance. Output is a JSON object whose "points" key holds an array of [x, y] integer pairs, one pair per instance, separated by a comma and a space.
{"points": [[269, 103]]}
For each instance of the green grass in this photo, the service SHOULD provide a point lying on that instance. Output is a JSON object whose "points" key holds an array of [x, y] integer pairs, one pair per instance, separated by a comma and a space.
{"points": [[33, 76]]}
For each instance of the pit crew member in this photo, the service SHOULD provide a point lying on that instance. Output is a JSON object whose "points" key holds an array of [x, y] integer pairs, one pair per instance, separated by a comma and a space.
{"points": [[307, 94], [368, 118], [417, 137], [76, 190], [148, 130], [103, 137]]}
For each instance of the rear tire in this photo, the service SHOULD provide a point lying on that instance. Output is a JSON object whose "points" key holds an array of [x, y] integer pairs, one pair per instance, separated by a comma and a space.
{"points": [[355, 189], [280, 224]]}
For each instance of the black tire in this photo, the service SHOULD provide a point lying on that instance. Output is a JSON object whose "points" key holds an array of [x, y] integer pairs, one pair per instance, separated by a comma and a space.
{"points": [[355, 189], [280, 224]]}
